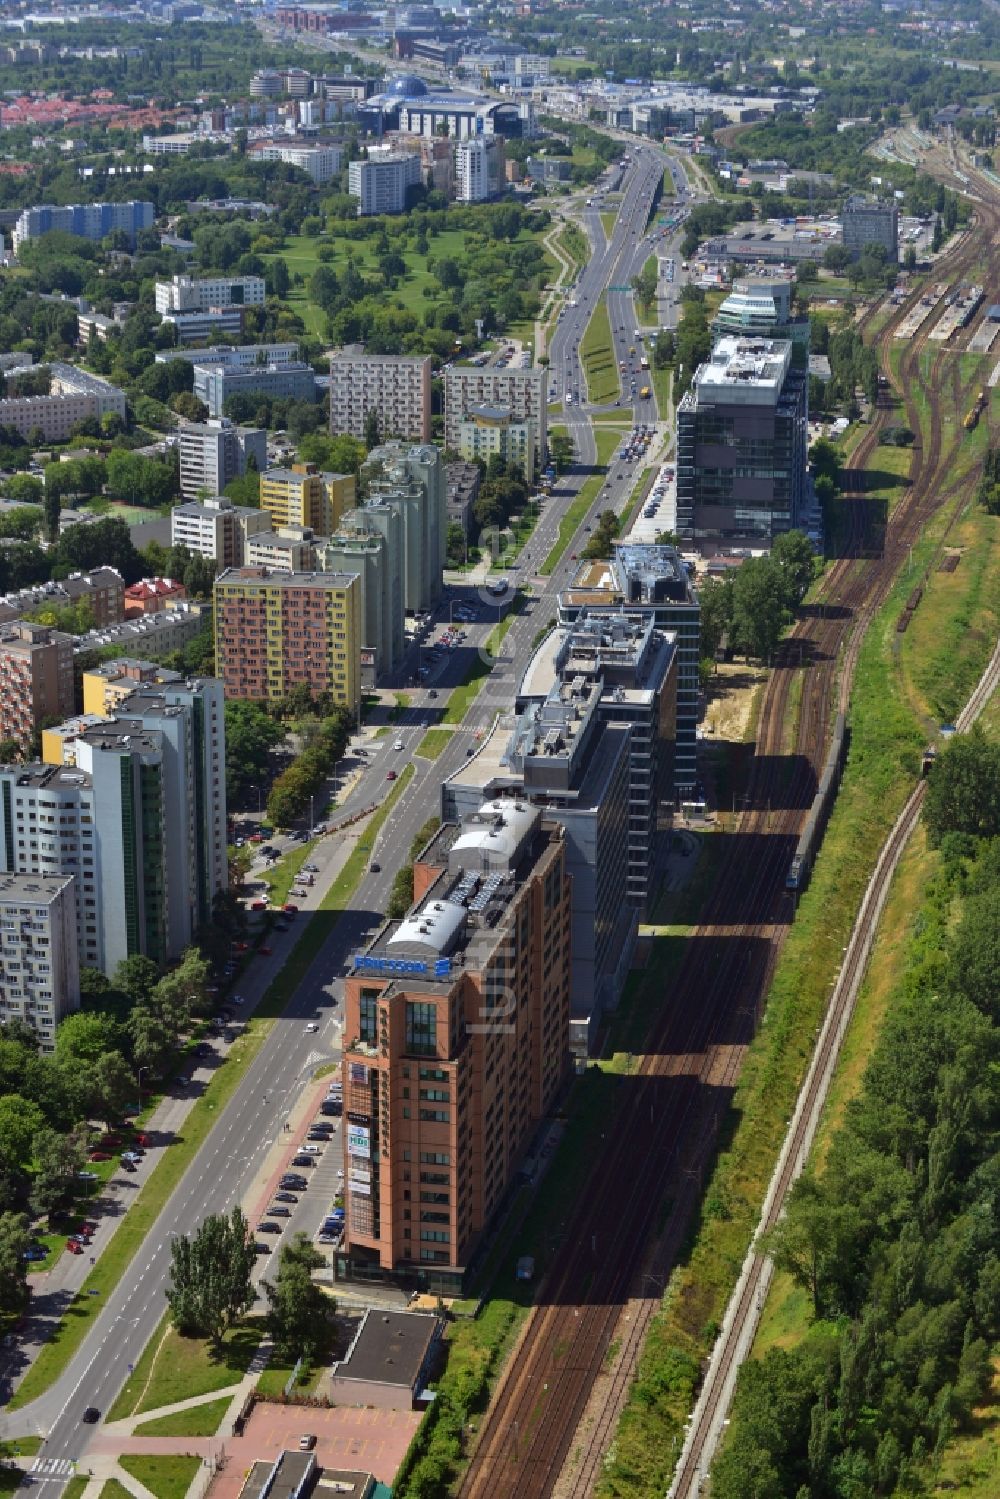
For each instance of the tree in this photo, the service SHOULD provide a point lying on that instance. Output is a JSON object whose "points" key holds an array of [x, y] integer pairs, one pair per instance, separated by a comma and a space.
{"points": [[793, 553], [836, 258], [210, 1277], [136, 976], [14, 1240], [963, 795], [184, 990], [715, 597], [113, 1086], [561, 451], [58, 1158], [298, 1311], [84, 1037], [20, 1121], [758, 615], [251, 735], [815, 1242], [975, 952]]}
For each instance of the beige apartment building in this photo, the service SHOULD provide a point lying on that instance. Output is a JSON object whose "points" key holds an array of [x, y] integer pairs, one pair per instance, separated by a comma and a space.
{"points": [[36, 677], [398, 390]]}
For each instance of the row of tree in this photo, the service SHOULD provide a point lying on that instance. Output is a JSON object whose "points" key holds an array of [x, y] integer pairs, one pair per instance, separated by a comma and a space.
{"points": [[896, 1238], [305, 778]]}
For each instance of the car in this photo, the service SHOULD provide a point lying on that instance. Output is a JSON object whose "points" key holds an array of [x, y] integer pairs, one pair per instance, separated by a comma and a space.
{"points": [[285, 1197], [313, 1149], [74, 1247], [320, 1135], [278, 1210], [129, 1166], [91, 1415], [289, 908], [433, 692], [302, 1160], [307, 1442], [311, 868], [398, 745], [267, 1227], [88, 1228], [321, 1124], [332, 1106], [375, 867], [80, 1238], [261, 1248], [182, 1080], [99, 1155], [391, 776], [237, 999], [265, 951], [258, 905], [311, 1028], [34, 1252], [86, 1176]]}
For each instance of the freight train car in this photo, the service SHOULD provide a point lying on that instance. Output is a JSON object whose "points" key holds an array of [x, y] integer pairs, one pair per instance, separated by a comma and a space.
{"points": [[826, 794]]}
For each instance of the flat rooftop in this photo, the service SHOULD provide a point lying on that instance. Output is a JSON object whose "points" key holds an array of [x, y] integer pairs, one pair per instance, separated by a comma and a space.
{"points": [[389, 1348], [741, 366], [32, 889]]}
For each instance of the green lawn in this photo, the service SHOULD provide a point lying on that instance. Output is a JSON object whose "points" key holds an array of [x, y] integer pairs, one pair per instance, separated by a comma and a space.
{"points": [[112, 1489], [609, 219], [173, 1368], [607, 442], [433, 742], [199, 1421], [461, 698], [598, 357], [662, 383], [166, 1477]]}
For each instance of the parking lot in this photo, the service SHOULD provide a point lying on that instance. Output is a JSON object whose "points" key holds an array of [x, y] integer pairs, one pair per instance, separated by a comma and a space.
{"points": [[372, 1440]]}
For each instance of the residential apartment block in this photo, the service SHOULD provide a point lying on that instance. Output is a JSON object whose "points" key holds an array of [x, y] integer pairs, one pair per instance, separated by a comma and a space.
{"points": [[203, 327], [102, 590], [205, 293], [397, 389], [74, 396], [36, 678], [865, 221], [486, 431], [235, 356], [39, 963], [455, 1045], [217, 528], [383, 182], [89, 220], [407, 497], [302, 495], [107, 685], [524, 393], [274, 631], [359, 546], [213, 453], [479, 169], [290, 549], [322, 160]]}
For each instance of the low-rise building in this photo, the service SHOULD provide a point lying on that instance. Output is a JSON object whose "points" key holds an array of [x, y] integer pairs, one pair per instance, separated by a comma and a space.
{"points": [[205, 327], [288, 549], [151, 595], [150, 634], [102, 590], [390, 1360], [524, 393], [214, 384], [202, 294], [75, 395]]}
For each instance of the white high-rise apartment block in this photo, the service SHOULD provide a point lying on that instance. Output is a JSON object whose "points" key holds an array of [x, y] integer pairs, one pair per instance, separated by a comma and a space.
{"points": [[39, 962], [320, 159], [397, 389], [479, 169], [213, 453], [217, 528], [186, 294], [381, 183]]}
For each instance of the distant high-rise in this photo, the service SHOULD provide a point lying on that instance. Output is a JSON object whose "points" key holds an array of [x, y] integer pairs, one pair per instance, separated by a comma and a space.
{"points": [[205, 293], [865, 221], [214, 453], [89, 220], [409, 482], [396, 389], [382, 184], [359, 546], [742, 435]]}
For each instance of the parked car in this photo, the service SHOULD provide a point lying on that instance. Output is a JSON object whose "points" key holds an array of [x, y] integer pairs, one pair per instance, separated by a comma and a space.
{"points": [[91, 1415], [74, 1247], [267, 1227], [285, 1197], [278, 1209]]}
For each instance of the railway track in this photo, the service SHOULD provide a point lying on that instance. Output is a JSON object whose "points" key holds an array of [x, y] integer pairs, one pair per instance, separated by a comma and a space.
{"points": [[647, 1180]]}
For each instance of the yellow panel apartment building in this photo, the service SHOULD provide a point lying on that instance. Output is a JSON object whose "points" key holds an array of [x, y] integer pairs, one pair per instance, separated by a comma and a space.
{"points": [[303, 496], [275, 630]]}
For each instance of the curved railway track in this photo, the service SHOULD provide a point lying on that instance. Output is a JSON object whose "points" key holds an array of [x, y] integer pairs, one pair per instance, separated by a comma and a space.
{"points": [[662, 1137]]}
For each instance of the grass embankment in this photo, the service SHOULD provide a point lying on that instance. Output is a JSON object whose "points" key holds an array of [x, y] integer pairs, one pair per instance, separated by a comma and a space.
{"points": [[882, 766], [575, 246], [462, 697], [166, 1477], [646, 311], [597, 355], [112, 1489], [609, 219], [433, 742], [607, 442], [172, 1368], [662, 381]]}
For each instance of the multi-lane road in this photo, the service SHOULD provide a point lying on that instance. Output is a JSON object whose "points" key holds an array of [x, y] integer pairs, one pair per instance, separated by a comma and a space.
{"points": [[225, 1169]]}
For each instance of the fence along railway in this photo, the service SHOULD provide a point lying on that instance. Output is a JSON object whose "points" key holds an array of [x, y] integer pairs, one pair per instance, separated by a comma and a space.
{"points": [[660, 1139]]}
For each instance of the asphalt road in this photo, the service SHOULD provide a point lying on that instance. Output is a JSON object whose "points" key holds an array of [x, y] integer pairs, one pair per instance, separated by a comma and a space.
{"points": [[225, 1167]]}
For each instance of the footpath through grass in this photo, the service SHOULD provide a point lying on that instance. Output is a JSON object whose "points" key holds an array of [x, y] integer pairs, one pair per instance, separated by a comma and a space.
{"points": [[199, 1421], [607, 442], [173, 1368], [166, 1477], [883, 764], [597, 354]]}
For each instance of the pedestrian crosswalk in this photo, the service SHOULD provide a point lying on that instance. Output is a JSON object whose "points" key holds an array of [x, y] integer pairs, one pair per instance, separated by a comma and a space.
{"points": [[52, 1467]]}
